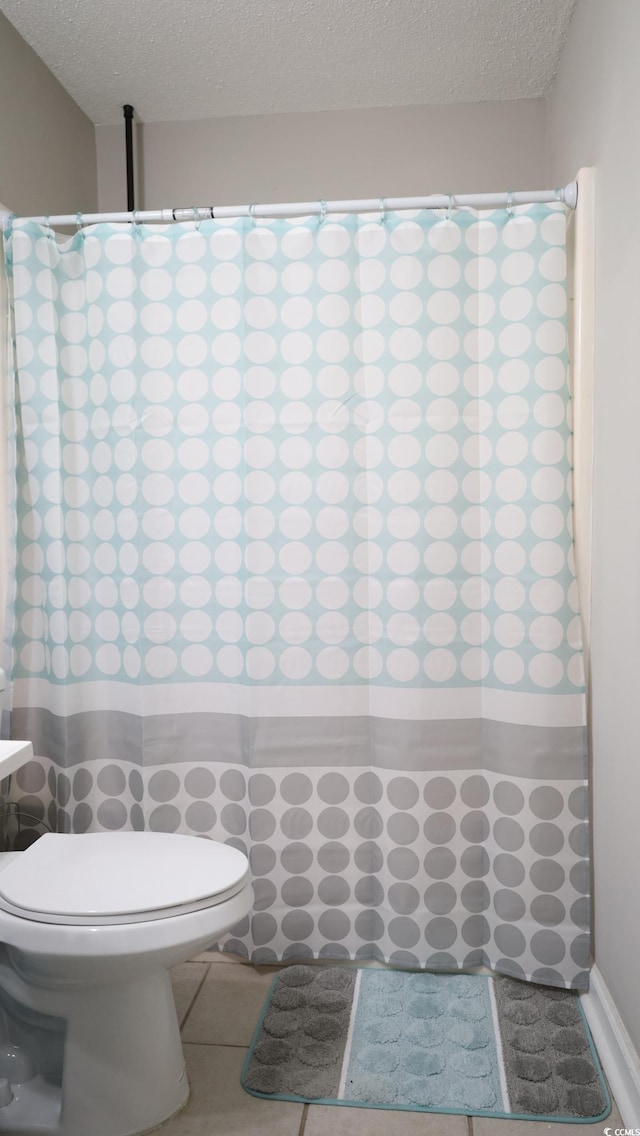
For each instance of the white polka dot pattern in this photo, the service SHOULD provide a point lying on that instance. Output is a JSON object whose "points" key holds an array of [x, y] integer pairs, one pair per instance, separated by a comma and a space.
{"points": [[297, 453]]}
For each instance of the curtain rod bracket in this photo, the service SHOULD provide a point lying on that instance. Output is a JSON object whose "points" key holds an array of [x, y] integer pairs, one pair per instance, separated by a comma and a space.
{"points": [[570, 194]]}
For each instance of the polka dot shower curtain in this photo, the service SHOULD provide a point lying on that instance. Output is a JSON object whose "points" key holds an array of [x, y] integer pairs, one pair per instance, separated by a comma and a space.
{"points": [[295, 571]]}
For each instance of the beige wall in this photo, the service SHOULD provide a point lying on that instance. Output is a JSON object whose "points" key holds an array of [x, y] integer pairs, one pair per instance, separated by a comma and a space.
{"points": [[47, 144], [359, 153], [593, 117]]}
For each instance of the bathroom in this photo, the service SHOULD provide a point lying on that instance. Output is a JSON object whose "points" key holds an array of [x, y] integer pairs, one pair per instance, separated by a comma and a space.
{"points": [[320, 571]]}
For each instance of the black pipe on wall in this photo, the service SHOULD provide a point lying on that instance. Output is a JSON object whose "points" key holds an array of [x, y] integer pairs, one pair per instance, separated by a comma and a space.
{"points": [[128, 129]]}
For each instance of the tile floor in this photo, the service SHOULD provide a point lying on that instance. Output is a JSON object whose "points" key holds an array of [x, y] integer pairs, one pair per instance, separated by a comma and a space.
{"points": [[218, 1001]]}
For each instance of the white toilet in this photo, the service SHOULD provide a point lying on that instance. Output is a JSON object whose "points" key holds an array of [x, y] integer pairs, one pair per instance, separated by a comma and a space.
{"points": [[89, 924]]}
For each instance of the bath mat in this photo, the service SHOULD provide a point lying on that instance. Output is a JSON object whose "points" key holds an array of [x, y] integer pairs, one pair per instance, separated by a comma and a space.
{"points": [[457, 1043]]}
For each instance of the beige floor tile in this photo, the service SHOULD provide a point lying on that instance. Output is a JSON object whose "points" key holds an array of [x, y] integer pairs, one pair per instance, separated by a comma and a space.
{"points": [[220, 956], [228, 1006], [219, 1105], [483, 1126], [329, 1120], [185, 980]]}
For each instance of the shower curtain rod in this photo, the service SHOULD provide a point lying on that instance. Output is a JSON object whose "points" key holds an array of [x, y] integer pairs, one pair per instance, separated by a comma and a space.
{"points": [[568, 195]]}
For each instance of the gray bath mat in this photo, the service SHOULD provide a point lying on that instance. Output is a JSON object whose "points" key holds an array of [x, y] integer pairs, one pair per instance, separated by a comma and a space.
{"points": [[456, 1043]]}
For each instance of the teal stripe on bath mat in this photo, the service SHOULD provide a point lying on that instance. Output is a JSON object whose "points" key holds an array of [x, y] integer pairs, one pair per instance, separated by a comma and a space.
{"points": [[425, 1042]]}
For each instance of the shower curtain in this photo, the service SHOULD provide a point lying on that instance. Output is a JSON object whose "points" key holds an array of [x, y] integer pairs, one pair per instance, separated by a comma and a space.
{"points": [[295, 571]]}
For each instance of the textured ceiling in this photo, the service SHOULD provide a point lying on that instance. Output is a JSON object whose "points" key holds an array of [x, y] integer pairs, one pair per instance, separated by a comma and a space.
{"points": [[210, 58]]}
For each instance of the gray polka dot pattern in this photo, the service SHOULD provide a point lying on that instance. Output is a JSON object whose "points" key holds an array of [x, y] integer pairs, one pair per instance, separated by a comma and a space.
{"points": [[437, 870], [549, 1067], [304, 1033]]}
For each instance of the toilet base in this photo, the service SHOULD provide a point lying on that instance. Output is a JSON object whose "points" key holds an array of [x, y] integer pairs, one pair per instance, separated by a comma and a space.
{"points": [[124, 1066], [124, 1070]]}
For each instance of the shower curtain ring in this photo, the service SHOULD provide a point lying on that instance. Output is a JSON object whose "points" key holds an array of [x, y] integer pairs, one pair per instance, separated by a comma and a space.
{"points": [[79, 223], [383, 210], [510, 203], [323, 210], [197, 219], [447, 215], [252, 214]]}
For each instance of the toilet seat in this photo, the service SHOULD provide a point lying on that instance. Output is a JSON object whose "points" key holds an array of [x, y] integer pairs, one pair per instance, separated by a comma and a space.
{"points": [[113, 878]]}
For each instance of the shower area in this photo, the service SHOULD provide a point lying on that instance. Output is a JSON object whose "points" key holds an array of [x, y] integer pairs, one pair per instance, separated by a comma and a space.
{"points": [[291, 535]]}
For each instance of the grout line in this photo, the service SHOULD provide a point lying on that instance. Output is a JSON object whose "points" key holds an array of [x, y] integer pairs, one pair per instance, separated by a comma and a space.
{"points": [[191, 1003], [216, 1045], [469, 1126], [303, 1121]]}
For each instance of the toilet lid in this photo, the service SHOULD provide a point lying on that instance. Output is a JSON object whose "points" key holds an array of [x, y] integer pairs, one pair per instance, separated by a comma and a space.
{"points": [[103, 875]]}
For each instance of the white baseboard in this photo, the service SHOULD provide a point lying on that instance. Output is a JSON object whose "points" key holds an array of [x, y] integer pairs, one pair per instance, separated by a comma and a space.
{"points": [[620, 1060]]}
